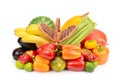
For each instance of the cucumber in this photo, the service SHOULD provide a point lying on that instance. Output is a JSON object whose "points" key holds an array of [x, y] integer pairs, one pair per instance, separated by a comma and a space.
{"points": [[43, 19]]}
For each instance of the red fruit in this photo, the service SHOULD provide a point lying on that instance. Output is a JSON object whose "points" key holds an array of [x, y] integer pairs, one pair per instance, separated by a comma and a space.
{"points": [[97, 35], [25, 58], [85, 52], [51, 46], [47, 51], [88, 55], [76, 64], [91, 57], [100, 34]]}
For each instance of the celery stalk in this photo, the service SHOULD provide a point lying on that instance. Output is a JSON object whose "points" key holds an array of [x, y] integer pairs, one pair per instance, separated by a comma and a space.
{"points": [[83, 29], [80, 26], [83, 35], [77, 34]]}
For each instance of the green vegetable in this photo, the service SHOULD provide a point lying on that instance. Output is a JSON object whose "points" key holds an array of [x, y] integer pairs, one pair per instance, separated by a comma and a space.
{"points": [[19, 65], [83, 29], [95, 63], [43, 19], [71, 39], [28, 66], [90, 66], [58, 64]]}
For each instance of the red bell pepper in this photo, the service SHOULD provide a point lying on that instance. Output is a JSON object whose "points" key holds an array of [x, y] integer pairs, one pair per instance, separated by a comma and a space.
{"points": [[76, 64], [47, 51]]}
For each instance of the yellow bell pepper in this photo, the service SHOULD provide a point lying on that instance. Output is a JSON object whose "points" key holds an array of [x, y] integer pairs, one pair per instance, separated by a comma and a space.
{"points": [[90, 44]]}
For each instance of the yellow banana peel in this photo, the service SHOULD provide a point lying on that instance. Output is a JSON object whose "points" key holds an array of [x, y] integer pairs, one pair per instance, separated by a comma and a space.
{"points": [[34, 39], [21, 32], [29, 37], [34, 29]]}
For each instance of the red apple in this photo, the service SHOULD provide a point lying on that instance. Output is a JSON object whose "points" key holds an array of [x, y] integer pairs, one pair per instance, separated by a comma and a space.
{"points": [[97, 35]]}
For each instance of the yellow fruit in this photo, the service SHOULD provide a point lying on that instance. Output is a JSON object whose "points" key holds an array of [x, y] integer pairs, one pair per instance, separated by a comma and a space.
{"points": [[34, 39], [29, 37], [21, 32], [34, 29], [75, 20]]}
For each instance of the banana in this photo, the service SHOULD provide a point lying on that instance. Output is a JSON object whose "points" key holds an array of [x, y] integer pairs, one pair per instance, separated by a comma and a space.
{"points": [[32, 33], [34, 29], [29, 37], [34, 39], [75, 20], [21, 32]]}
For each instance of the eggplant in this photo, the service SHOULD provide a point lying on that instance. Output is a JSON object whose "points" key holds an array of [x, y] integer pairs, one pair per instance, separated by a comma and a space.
{"points": [[17, 52], [29, 46]]}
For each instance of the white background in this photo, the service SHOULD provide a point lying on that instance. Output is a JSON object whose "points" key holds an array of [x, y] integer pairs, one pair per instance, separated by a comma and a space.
{"points": [[14, 13]]}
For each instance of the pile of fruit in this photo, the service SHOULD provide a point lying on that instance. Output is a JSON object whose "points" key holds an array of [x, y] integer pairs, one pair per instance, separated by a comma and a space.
{"points": [[45, 46]]}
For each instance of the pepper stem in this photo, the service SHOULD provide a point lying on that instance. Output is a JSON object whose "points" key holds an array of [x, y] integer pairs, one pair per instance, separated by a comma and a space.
{"points": [[100, 48]]}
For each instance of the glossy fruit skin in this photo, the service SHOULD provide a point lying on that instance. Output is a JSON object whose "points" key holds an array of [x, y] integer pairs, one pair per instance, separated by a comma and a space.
{"points": [[103, 53], [90, 66], [88, 55], [41, 64], [47, 51], [19, 65], [30, 46], [40, 67], [101, 34], [28, 67], [58, 64], [90, 44], [91, 57], [17, 52], [76, 64], [31, 53], [97, 35], [25, 58], [70, 52]]}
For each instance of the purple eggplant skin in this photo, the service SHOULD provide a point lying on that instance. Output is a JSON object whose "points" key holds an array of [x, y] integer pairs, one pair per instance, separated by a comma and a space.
{"points": [[29, 46], [17, 52]]}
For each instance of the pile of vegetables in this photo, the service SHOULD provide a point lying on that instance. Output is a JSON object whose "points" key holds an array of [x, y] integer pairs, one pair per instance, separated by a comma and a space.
{"points": [[76, 46]]}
